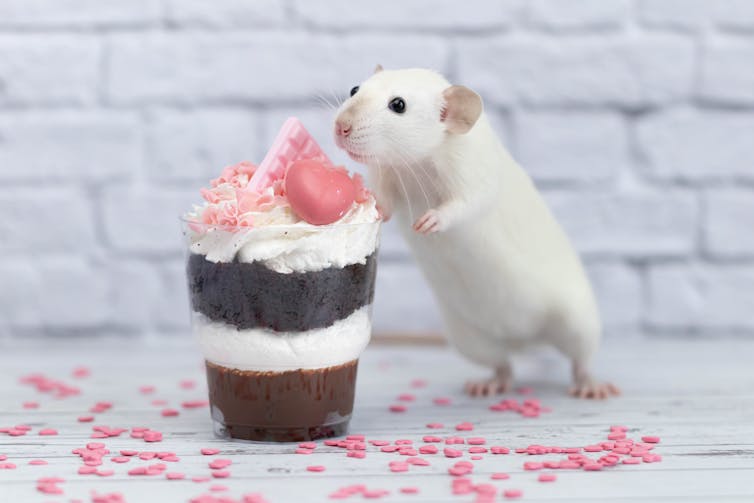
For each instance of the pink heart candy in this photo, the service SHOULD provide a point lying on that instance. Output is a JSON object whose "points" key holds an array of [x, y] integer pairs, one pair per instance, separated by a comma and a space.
{"points": [[317, 193]]}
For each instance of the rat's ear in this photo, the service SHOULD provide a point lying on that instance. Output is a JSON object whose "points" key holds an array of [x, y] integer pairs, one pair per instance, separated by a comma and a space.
{"points": [[461, 109], [378, 69]]}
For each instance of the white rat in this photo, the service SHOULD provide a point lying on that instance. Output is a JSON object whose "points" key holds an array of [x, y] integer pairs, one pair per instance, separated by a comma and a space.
{"points": [[502, 269]]}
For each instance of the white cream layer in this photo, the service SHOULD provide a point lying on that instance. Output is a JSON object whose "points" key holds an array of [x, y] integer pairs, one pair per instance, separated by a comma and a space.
{"points": [[286, 244], [259, 349]]}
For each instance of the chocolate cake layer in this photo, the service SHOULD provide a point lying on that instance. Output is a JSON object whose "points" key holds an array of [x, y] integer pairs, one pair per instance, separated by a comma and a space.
{"points": [[290, 406], [249, 295]]}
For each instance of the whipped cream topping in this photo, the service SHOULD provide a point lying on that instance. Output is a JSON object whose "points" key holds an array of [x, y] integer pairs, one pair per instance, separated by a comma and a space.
{"points": [[235, 224], [260, 349]]}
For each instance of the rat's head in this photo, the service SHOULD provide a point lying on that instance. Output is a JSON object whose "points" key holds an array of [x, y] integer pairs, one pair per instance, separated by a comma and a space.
{"points": [[402, 116]]}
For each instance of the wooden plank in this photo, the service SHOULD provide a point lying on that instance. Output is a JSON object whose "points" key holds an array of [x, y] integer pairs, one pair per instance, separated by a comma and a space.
{"points": [[700, 401]]}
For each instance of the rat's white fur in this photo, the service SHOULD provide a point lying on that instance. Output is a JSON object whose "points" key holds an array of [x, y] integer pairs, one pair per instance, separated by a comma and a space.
{"points": [[503, 271]]}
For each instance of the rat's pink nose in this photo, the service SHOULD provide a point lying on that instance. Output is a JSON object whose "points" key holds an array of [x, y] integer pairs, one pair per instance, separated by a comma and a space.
{"points": [[342, 128]]}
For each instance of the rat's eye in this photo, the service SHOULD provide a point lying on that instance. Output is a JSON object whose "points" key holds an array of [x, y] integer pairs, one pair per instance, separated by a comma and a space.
{"points": [[397, 105], [354, 90]]}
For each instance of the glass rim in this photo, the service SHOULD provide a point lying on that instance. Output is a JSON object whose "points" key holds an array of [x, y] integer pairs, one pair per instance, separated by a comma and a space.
{"points": [[185, 221]]}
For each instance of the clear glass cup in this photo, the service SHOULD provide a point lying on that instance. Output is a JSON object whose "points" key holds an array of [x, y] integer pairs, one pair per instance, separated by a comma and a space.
{"points": [[282, 314]]}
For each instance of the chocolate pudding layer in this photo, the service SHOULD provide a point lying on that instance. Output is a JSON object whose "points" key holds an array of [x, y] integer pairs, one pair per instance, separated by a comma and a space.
{"points": [[249, 295], [290, 406]]}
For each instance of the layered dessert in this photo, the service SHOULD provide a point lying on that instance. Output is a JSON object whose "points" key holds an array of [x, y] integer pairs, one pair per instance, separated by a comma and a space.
{"points": [[281, 306]]}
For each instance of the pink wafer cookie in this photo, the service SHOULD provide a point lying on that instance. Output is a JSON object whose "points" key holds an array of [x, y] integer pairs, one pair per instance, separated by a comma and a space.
{"points": [[292, 143]]}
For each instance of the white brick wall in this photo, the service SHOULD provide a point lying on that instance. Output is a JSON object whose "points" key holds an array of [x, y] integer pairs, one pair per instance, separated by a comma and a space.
{"points": [[635, 117]]}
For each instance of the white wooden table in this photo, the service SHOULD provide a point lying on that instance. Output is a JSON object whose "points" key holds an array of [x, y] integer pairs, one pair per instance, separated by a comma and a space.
{"points": [[697, 396]]}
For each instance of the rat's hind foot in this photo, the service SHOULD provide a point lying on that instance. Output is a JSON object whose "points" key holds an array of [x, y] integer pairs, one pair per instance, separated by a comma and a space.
{"points": [[584, 386], [501, 382]]}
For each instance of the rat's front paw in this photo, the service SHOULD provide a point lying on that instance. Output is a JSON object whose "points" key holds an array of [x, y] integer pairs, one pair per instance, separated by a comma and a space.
{"points": [[430, 222], [384, 213]]}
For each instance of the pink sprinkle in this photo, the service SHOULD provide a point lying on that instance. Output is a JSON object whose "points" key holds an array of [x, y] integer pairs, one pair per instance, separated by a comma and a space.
{"points": [[219, 464], [48, 431], [512, 493], [441, 401], [631, 461], [525, 390], [356, 454], [454, 440], [208, 451], [619, 428], [398, 408], [418, 383], [315, 468], [81, 372], [651, 458], [139, 470], [477, 457], [464, 427], [188, 384], [85, 419], [359, 438], [476, 441], [194, 404], [30, 405], [7, 466], [147, 455], [379, 443], [175, 476], [431, 438], [531, 465], [404, 442], [406, 397], [452, 453], [121, 459], [389, 448], [37, 462], [303, 451], [146, 390], [105, 473], [651, 439], [398, 466], [308, 445], [199, 480], [500, 476], [428, 449], [477, 450], [169, 413], [435, 426], [592, 467], [496, 449], [375, 493], [417, 461], [409, 490], [159, 402], [152, 436], [547, 477], [216, 488], [87, 470]]}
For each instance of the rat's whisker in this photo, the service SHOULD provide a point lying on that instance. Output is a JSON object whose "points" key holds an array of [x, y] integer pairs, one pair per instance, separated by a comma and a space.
{"points": [[324, 102], [437, 186], [405, 193], [410, 169]]}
